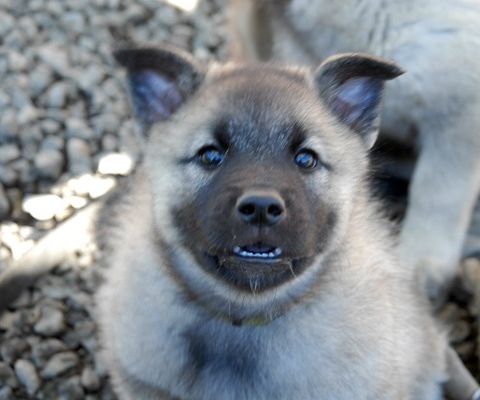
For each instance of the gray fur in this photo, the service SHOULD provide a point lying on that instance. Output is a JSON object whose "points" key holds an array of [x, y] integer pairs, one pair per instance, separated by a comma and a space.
{"points": [[433, 106], [350, 325]]}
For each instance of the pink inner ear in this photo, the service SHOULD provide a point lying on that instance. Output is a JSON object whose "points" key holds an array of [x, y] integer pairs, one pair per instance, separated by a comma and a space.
{"points": [[355, 99], [155, 97]]}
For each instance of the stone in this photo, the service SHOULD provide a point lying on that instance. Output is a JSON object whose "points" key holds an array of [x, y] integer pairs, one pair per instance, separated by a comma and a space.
{"points": [[17, 62], [115, 164], [43, 207], [55, 56], [90, 380], [7, 23], [7, 376], [57, 95], [9, 152], [49, 163], [71, 389], [77, 128], [6, 393], [27, 115], [78, 154], [14, 348], [59, 363], [4, 203], [27, 376], [45, 349], [40, 79], [51, 322]]}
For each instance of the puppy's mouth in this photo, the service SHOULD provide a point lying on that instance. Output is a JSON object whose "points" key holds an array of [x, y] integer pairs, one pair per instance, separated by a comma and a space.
{"points": [[258, 252], [254, 267]]}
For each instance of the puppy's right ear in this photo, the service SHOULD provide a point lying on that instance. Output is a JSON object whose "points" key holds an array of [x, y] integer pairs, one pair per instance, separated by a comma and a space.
{"points": [[160, 80]]}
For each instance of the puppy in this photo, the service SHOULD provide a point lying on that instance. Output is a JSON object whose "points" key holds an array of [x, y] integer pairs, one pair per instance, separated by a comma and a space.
{"points": [[247, 259], [434, 106]]}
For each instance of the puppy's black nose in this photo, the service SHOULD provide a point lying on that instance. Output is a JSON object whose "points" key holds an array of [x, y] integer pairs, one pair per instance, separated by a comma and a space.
{"points": [[258, 206]]}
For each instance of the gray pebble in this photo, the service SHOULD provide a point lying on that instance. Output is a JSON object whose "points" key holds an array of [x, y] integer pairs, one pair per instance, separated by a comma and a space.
{"points": [[4, 204], [42, 351], [49, 163], [40, 78], [59, 364], [51, 322], [7, 22], [7, 376], [9, 152], [77, 128], [55, 56], [90, 380], [71, 389], [78, 153], [6, 393], [12, 349], [8, 176], [57, 95], [27, 375], [17, 62]]}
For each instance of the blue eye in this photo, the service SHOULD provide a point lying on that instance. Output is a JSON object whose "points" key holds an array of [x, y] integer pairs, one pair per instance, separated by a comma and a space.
{"points": [[211, 156], [306, 159]]}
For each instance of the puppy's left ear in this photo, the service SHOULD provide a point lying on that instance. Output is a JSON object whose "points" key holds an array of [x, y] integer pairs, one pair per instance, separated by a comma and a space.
{"points": [[351, 85], [160, 79]]}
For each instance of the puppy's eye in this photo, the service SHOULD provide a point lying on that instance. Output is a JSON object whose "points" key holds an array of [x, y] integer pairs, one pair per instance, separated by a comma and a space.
{"points": [[211, 156], [306, 159]]}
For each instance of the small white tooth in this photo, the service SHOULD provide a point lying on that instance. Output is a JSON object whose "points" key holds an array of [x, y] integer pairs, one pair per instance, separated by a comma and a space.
{"points": [[271, 254]]}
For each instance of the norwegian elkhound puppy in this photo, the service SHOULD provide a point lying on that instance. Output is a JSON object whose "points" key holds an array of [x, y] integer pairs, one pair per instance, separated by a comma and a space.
{"points": [[248, 260], [435, 106]]}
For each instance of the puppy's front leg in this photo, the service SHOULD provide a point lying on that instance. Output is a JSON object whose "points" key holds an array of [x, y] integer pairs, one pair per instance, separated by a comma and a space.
{"points": [[443, 192]]}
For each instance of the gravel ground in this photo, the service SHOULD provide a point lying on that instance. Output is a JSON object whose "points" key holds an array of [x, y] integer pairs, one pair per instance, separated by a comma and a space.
{"points": [[66, 136]]}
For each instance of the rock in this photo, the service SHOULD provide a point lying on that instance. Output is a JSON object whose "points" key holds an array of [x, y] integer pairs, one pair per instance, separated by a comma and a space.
{"points": [[57, 95], [27, 115], [27, 376], [7, 175], [89, 380], [51, 322], [17, 62], [40, 79], [12, 349], [54, 56], [71, 389], [9, 152], [43, 207], [45, 349], [59, 364], [51, 127], [7, 23], [4, 204], [6, 393], [77, 128], [49, 163], [78, 153], [100, 186], [7, 376], [115, 164]]}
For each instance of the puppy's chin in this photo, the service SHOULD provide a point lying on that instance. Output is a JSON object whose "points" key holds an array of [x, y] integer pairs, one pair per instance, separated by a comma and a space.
{"points": [[253, 275]]}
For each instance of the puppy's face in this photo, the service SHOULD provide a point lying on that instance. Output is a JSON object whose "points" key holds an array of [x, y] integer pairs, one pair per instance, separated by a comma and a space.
{"points": [[253, 172]]}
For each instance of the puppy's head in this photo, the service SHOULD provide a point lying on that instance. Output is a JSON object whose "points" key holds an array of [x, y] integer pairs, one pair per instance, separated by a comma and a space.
{"points": [[254, 170]]}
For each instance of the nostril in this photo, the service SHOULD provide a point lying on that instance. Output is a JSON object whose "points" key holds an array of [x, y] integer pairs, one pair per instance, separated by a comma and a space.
{"points": [[247, 209], [274, 210]]}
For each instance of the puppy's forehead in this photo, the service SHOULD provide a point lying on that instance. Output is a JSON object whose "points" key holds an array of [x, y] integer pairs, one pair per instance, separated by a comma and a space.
{"points": [[259, 105]]}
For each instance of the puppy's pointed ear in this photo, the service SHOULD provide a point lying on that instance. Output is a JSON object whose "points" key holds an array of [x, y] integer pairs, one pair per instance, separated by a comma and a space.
{"points": [[160, 80], [351, 85]]}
